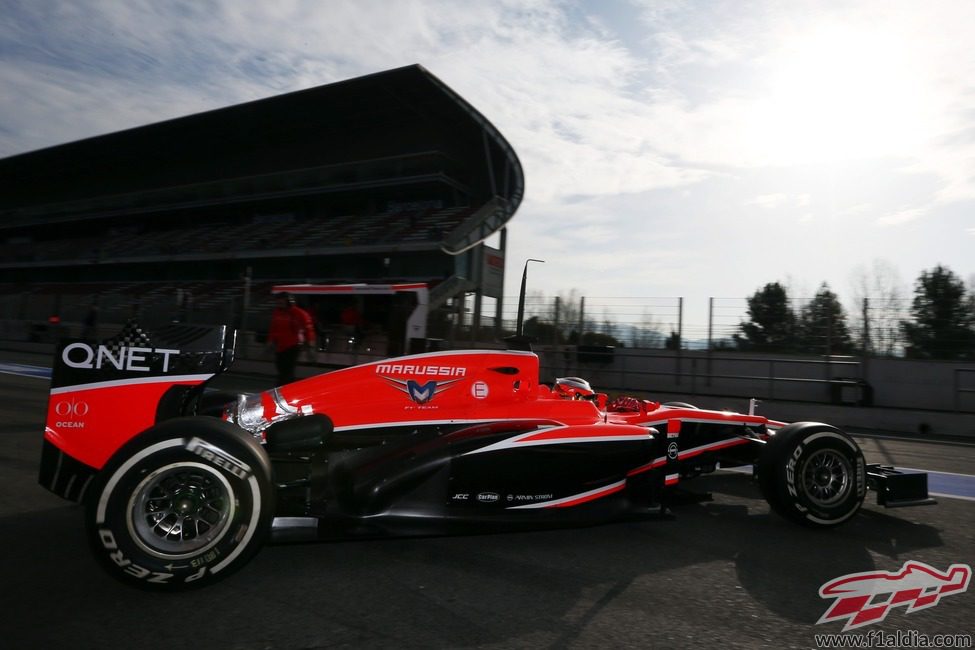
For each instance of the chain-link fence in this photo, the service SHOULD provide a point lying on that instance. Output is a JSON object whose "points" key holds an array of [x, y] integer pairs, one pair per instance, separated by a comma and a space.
{"points": [[875, 327], [630, 322]]}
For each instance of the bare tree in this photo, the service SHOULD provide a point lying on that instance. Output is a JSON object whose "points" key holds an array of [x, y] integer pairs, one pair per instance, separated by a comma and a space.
{"points": [[878, 328], [609, 323], [569, 310], [648, 334]]}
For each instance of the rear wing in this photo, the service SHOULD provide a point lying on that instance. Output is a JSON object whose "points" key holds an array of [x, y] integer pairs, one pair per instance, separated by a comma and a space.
{"points": [[103, 393]]}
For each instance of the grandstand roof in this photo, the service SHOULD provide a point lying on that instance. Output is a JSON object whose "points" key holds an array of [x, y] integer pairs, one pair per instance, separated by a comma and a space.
{"points": [[402, 127]]}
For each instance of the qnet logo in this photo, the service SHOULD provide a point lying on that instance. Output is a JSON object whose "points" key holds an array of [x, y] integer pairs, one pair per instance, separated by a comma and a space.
{"points": [[866, 598]]}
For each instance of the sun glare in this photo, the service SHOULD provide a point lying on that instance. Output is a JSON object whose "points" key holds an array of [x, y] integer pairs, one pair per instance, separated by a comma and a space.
{"points": [[837, 94]]}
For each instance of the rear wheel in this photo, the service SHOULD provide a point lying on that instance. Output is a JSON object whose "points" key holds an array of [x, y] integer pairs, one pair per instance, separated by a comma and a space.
{"points": [[813, 474], [184, 504]]}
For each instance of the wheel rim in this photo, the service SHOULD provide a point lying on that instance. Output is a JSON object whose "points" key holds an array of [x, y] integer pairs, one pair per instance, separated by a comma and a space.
{"points": [[180, 510], [826, 477]]}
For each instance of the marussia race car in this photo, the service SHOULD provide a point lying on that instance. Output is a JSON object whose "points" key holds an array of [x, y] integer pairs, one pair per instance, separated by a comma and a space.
{"points": [[182, 486]]}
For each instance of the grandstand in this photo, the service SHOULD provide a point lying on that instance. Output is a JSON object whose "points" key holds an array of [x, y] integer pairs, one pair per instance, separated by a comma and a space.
{"points": [[391, 177]]}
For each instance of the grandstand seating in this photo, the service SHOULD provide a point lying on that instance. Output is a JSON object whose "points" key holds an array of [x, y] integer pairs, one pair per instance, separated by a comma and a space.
{"points": [[348, 182], [417, 226]]}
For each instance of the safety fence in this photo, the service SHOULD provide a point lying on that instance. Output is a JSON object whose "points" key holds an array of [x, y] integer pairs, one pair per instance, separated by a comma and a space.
{"points": [[849, 381], [873, 327]]}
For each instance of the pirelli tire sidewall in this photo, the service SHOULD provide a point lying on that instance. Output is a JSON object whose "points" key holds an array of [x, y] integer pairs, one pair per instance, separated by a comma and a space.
{"points": [[181, 505], [813, 474]]}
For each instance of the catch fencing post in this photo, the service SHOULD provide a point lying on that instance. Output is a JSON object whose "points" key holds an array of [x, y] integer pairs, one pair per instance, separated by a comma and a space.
{"points": [[707, 379], [555, 323], [582, 320], [865, 353], [680, 339], [476, 318]]}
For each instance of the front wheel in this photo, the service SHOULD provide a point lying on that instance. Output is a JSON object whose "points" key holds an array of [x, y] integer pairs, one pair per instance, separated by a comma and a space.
{"points": [[182, 505], [813, 474]]}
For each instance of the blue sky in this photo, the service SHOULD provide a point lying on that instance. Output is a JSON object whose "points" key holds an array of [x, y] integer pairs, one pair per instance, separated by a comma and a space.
{"points": [[670, 148]]}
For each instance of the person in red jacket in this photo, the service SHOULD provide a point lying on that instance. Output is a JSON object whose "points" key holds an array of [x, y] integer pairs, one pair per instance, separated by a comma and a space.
{"points": [[291, 330]]}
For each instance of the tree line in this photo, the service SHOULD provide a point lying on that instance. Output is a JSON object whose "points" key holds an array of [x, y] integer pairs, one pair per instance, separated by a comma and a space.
{"points": [[941, 323]]}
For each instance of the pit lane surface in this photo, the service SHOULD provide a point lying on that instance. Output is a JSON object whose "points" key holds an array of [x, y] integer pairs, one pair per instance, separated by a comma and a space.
{"points": [[720, 573]]}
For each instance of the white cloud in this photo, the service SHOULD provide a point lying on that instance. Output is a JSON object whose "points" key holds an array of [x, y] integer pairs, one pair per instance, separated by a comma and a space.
{"points": [[856, 210], [769, 200], [557, 93], [781, 201], [641, 152], [901, 216], [588, 115]]}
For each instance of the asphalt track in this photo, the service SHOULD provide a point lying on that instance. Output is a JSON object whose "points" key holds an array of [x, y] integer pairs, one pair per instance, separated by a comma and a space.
{"points": [[720, 573]]}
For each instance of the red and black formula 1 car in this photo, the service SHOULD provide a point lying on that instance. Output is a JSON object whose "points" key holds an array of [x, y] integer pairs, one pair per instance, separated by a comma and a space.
{"points": [[183, 486]]}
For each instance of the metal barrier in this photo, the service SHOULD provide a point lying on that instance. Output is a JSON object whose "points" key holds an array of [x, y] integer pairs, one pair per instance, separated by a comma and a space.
{"points": [[959, 390], [694, 374]]}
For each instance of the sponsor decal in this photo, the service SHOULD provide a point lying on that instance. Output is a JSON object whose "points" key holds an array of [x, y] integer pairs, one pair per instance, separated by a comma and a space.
{"points": [[866, 598], [130, 358], [531, 497], [210, 556], [672, 451], [488, 497], [72, 413], [420, 393], [217, 456], [549, 501], [418, 370], [480, 390], [790, 471], [461, 496], [71, 408], [107, 539], [546, 500], [861, 480]]}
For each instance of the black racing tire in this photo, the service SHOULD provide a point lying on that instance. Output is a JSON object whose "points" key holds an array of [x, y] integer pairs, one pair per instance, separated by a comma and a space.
{"points": [[680, 405], [813, 474], [182, 505]]}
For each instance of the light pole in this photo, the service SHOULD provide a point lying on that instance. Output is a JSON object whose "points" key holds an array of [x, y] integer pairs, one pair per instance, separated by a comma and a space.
{"points": [[521, 296]]}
